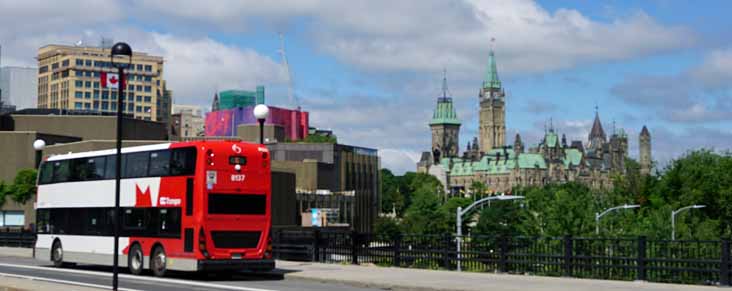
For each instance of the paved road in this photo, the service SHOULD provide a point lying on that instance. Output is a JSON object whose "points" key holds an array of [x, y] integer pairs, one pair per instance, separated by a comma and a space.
{"points": [[95, 276]]}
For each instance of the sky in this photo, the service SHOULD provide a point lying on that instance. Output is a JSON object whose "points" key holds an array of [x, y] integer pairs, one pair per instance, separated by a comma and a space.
{"points": [[372, 70]]}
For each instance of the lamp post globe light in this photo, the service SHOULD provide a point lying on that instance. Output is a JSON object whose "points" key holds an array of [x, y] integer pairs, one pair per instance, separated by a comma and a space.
{"points": [[598, 215], [673, 217], [39, 145], [121, 58], [261, 112]]}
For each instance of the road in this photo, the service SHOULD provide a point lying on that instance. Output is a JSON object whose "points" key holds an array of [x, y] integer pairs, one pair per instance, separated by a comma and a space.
{"points": [[101, 277]]}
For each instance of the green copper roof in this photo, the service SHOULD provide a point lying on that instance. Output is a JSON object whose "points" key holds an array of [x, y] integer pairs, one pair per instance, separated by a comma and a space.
{"points": [[531, 161], [491, 76], [573, 157], [551, 139], [444, 113]]}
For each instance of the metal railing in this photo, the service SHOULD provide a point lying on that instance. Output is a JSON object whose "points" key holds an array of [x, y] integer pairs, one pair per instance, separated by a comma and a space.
{"points": [[686, 262], [17, 239]]}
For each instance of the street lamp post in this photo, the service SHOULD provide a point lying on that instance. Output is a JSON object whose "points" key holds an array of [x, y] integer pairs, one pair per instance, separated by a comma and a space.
{"points": [[459, 220], [601, 214], [121, 58], [260, 113], [38, 145], [673, 217]]}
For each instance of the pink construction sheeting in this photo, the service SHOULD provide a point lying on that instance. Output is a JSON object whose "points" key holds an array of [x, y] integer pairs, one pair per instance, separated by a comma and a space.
{"points": [[224, 122]]}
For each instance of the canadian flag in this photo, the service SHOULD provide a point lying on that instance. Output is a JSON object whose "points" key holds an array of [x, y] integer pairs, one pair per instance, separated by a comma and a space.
{"points": [[110, 80]]}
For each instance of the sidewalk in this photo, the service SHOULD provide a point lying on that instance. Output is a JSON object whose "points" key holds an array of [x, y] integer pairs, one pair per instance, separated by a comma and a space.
{"points": [[415, 279]]}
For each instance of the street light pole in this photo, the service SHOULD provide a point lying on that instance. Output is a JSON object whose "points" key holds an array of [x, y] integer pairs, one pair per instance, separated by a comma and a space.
{"points": [[601, 214], [121, 58], [260, 113], [459, 220], [673, 217]]}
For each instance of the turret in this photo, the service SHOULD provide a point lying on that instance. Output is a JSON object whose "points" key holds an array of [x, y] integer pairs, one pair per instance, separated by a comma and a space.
{"points": [[645, 151], [445, 126], [492, 126], [518, 145]]}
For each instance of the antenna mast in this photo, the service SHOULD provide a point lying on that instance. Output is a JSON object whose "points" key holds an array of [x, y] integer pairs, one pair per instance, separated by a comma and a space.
{"points": [[290, 87]]}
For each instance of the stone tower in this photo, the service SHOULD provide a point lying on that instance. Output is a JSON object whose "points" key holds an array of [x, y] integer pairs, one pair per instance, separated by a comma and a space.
{"points": [[597, 137], [445, 127], [518, 145], [492, 126], [645, 151]]}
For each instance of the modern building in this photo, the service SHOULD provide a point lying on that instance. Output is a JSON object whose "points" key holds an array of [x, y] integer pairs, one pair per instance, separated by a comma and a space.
{"points": [[349, 174], [489, 160], [229, 99], [224, 122], [19, 87], [186, 121], [69, 78]]}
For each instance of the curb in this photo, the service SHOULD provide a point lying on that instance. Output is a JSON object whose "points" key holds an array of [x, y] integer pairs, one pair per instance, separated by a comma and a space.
{"points": [[362, 284]]}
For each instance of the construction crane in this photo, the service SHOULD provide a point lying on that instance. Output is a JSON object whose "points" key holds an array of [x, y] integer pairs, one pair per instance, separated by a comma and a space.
{"points": [[290, 87]]}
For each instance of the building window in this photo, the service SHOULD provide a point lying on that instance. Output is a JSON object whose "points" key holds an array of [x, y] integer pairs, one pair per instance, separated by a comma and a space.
{"points": [[139, 67], [79, 62], [65, 63], [88, 84], [148, 99], [65, 74], [96, 105], [87, 105], [96, 74], [88, 74], [43, 69], [114, 106], [148, 68], [96, 94], [79, 94], [148, 79], [12, 218], [131, 96], [105, 95], [148, 89], [79, 73], [78, 105], [54, 66], [130, 107], [139, 98], [79, 84], [105, 105], [138, 109], [131, 88], [87, 95], [96, 85], [88, 63], [139, 88], [114, 95], [148, 109]]}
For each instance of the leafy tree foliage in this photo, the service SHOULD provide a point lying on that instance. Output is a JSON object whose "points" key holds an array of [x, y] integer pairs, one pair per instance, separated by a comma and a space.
{"points": [[22, 189]]}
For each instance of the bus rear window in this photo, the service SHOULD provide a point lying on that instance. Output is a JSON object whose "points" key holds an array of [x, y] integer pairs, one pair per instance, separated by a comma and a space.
{"points": [[237, 204], [237, 160]]}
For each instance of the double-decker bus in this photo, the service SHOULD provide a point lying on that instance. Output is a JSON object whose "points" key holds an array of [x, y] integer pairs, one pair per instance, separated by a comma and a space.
{"points": [[189, 206]]}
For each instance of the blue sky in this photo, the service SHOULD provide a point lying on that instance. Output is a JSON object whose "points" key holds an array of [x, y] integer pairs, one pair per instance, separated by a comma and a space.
{"points": [[371, 70]]}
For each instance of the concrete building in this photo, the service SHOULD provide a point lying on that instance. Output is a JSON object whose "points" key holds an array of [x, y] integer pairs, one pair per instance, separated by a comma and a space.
{"points": [[19, 87], [63, 131], [186, 121], [69, 78], [334, 169], [501, 167]]}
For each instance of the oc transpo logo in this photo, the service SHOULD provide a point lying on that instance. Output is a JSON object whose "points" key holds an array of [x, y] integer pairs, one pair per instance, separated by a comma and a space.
{"points": [[236, 148]]}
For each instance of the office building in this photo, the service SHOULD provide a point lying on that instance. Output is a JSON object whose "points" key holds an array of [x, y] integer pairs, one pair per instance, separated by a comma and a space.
{"points": [[69, 78], [18, 87]]}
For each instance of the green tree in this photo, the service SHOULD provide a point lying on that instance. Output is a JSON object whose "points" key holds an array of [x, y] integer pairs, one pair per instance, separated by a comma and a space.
{"points": [[500, 219], [387, 228], [449, 212], [319, 138], [24, 186], [424, 215]]}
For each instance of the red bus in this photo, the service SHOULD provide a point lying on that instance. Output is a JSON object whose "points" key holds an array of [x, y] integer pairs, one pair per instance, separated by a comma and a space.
{"points": [[189, 206]]}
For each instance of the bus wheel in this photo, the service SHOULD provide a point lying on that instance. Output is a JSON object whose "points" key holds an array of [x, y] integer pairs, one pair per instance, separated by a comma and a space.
{"points": [[135, 260], [158, 262], [57, 254]]}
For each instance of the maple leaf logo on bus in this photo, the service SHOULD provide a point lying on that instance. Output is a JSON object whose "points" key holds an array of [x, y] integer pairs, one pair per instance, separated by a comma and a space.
{"points": [[142, 198]]}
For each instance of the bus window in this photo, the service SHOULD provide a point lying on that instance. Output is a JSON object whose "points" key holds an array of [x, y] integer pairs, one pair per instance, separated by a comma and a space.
{"points": [[134, 218], [135, 164], [159, 163], [169, 222], [46, 175], [60, 171], [183, 162], [88, 169], [111, 165]]}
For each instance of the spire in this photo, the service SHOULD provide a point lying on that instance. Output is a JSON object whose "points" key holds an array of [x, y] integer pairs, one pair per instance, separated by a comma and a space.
{"points": [[445, 112], [444, 83], [215, 104], [491, 76], [644, 131], [597, 131]]}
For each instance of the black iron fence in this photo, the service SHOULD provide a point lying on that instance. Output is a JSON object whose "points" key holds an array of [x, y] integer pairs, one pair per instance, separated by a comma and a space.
{"points": [[17, 239], [687, 262]]}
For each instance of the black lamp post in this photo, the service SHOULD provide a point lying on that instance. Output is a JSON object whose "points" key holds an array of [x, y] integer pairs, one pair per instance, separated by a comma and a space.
{"points": [[260, 113], [121, 58]]}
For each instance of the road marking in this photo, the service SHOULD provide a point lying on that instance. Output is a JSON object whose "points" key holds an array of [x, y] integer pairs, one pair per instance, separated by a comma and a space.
{"points": [[139, 278], [75, 283]]}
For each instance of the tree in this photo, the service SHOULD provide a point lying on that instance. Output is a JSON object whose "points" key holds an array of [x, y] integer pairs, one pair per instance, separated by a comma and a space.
{"points": [[24, 186], [424, 215], [501, 219], [320, 138]]}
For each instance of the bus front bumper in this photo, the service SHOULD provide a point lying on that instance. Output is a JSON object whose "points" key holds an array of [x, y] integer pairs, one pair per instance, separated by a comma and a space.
{"points": [[232, 265]]}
